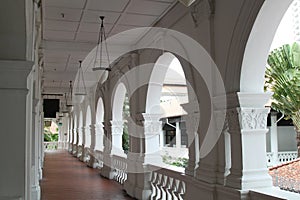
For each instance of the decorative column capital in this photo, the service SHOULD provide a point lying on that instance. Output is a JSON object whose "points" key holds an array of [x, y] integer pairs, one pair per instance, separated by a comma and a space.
{"points": [[247, 118], [251, 118], [117, 127], [152, 125]]}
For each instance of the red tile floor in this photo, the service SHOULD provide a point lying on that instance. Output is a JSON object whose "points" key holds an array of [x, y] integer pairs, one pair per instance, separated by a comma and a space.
{"points": [[66, 178]]}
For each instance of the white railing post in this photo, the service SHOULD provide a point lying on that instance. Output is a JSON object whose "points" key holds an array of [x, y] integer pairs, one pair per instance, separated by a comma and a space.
{"points": [[274, 138]]}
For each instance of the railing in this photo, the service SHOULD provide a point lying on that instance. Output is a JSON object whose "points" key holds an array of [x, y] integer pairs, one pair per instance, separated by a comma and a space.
{"points": [[50, 146], [269, 159], [287, 156], [119, 165], [167, 184], [282, 157]]}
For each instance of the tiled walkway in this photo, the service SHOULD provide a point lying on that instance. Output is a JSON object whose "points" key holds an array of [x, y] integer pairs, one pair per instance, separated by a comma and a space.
{"points": [[66, 178]]}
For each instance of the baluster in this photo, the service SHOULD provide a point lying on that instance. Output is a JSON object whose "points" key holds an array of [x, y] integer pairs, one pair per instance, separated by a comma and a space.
{"points": [[173, 189], [165, 186], [159, 186], [181, 190], [152, 182]]}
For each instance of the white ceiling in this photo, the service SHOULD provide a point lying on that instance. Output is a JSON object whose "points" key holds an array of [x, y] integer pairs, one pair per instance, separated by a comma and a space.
{"points": [[70, 31]]}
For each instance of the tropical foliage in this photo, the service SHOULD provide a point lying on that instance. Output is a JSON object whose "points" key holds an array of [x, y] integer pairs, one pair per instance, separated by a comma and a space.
{"points": [[49, 136], [126, 114], [283, 78], [175, 161]]}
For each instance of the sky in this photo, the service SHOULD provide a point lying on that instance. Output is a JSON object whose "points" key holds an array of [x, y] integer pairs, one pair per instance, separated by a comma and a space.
{"points": [[284, 34]]}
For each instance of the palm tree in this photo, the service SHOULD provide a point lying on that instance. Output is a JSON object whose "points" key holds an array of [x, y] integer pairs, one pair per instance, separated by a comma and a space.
{"points": [[283, 79]]}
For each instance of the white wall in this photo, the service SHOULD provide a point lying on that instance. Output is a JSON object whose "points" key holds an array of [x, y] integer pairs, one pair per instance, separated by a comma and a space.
{"points": [[286, 139]]}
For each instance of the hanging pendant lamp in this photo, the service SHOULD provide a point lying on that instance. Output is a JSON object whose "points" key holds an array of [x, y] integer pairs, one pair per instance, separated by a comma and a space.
{"points": [[99, 49], [80, 91]]}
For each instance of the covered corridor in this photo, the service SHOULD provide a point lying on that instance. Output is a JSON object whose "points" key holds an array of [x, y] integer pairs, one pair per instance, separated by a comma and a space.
{"points": [[66, 178], [108, 105]]}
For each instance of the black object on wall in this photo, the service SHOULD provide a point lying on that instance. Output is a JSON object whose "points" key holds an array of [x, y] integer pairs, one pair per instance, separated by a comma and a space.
{"points": [[50, 106]]}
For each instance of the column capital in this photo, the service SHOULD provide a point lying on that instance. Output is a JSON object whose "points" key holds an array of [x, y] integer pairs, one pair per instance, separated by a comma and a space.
{"points": [[151, 117], [151, 122], [247, 118]]}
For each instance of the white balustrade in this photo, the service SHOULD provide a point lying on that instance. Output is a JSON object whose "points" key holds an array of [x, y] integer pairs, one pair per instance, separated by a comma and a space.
{"points": [[287, 156], [50, 146], [269, 159], [167, 184], [119, 166], [283, 157]]}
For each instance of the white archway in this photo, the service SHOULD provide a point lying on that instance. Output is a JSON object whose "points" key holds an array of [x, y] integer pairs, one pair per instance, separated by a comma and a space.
{"points": [[99, 125], [163, 102], [259, 43], [117, 119], [156, 82], [117, 106], [88, 122], [74, 131], [80, 126]]}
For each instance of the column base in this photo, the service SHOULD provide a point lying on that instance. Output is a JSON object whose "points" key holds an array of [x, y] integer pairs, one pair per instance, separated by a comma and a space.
{"points": [[107, 172], [249, 179], [91, 162]]}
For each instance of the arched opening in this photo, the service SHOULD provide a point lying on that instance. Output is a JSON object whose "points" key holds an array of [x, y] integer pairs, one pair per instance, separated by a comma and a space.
{"points": [[252, 80], [80, 135], [258, 46], [74, 130], [99, 125], [88, 122], [167, 91], [120, 110]]}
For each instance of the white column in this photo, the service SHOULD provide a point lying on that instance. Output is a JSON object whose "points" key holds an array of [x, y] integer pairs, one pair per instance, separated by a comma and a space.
{"points": [[35, 187], [91, 154], [161, 138], [41, 142], [274, 138], [14, 129], [82, 144], [152, 127], [99, 137], [248, 128], [192, 121], [178, 135], [117, 132]]}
